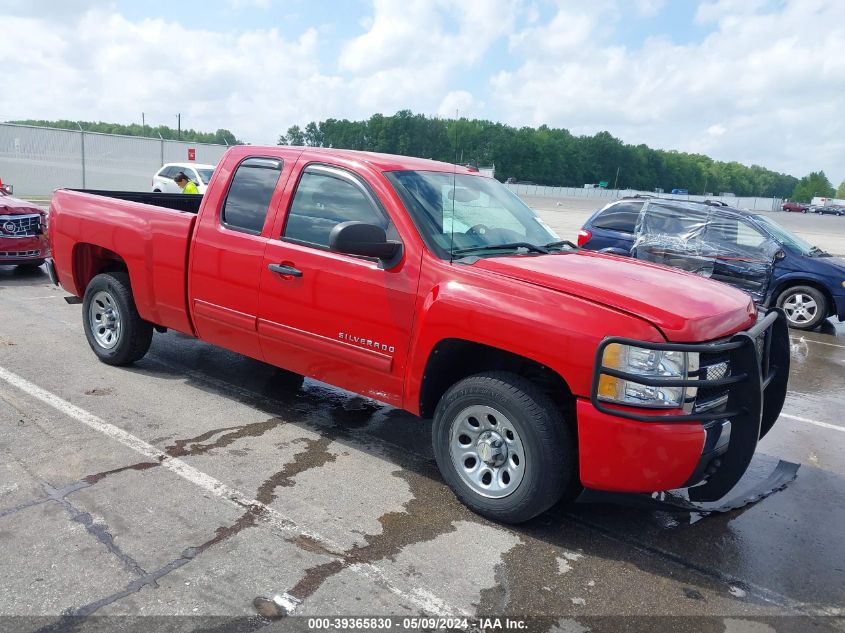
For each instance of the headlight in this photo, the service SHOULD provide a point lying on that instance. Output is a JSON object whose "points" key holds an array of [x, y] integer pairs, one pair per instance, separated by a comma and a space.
{"points": [[648, 363]]}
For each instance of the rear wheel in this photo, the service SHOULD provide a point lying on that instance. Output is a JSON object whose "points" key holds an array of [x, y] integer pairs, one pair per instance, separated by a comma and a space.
{"points": [[115, 331], [503, 447], [805, 307]]}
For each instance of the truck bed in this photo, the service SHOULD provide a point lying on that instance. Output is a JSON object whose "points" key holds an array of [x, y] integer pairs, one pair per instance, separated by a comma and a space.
{"points": [[187, 203], [148, 234]]}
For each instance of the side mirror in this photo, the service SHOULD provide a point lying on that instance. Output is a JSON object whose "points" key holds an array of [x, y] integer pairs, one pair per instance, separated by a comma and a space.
{"points": [[367, 240], [780, 255]]}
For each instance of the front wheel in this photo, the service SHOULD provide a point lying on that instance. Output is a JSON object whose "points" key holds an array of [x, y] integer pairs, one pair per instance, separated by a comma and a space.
{"points": [[503, 447], [805, 307], [115, 331]]}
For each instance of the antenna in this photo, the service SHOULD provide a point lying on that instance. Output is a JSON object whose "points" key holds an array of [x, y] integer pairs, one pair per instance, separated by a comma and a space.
{"points": [[454, 187]]}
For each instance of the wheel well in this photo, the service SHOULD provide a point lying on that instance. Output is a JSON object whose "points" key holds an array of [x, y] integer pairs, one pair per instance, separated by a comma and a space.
{"points": [[454, 359], [831, 305], [90, 260]]}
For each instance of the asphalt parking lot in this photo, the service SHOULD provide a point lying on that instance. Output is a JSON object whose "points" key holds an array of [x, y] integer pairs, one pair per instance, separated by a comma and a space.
{"points": [[197, 480]]}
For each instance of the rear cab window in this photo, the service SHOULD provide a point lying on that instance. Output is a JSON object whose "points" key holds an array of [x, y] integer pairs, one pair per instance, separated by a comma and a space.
{"points": [[249, 195], [620, 217]]}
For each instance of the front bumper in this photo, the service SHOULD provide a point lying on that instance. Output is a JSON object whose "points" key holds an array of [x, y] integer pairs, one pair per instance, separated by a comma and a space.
{"points": [[22, 250], [628, 449]]}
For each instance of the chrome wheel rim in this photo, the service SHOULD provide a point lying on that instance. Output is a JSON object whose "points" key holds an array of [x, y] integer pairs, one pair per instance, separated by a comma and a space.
{"points": [[800, 308], [104, 320], [487, 452]]}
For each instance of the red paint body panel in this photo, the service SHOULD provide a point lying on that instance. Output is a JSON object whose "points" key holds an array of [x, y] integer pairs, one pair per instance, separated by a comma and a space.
{"points": [[626, 456], [349, 322], [153, 242]]}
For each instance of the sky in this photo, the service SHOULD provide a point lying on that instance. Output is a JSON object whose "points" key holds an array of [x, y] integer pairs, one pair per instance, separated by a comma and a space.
{"points": [[755, 81]]}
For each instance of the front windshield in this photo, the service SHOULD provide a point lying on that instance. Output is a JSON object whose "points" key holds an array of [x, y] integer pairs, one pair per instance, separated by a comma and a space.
{"points": [[785, 237], [205, 175], [456, 213]]}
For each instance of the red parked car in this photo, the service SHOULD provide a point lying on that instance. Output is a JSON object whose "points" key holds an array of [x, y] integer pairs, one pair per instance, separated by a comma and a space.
{"points": [[796, 207], [23, 227], [434, 289]]}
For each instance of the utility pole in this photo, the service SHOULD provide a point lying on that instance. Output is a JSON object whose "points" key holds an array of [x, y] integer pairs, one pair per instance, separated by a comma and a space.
{"points": [[143, 125], [616, 180], [179, 127], [82, 148], [704, 193]]}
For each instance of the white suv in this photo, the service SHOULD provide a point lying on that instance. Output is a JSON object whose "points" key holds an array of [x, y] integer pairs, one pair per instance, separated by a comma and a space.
{"points": [[163, 180]]}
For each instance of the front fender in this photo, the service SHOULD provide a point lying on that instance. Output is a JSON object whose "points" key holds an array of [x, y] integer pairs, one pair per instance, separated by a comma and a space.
{"points": [[559, 331]]}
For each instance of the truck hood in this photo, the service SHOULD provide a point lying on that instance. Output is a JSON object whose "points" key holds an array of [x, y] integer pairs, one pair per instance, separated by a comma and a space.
{"points": [[685, 307]]}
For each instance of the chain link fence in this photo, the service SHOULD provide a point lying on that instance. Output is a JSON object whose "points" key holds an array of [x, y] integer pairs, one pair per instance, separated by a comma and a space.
{"points": [[38, 160], [603, 196]]}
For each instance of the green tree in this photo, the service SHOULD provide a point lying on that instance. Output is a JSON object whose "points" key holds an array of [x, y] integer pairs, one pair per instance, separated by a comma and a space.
{"points": [[840, 193], [812, 185], [544, 155], [223, 137], [294, 136]]}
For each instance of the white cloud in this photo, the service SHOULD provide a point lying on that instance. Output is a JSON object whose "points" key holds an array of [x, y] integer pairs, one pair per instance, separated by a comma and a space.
{"points": [[766, 86], [772, 76], [649, 7], [460, 102]]}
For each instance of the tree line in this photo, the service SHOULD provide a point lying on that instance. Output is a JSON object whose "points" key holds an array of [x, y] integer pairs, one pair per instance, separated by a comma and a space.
{"points": [[222, 136], [543, 155]]}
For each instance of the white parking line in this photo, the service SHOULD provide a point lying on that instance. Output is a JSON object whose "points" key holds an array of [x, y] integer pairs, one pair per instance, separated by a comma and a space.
{"points": [[420, 597], [824, 425], [809, 340]]}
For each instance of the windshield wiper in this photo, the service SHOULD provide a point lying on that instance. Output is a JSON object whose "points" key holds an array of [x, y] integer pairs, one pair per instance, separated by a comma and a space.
{"points": [[561, 243], [495, 247]]}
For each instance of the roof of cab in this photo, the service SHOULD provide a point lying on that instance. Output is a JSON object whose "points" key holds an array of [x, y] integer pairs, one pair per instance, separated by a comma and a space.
{"points": [[382, 162]]}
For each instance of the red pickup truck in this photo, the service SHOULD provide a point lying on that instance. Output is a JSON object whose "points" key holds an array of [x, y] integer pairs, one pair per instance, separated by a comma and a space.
{"points": [[434, 289], [22, 232]]}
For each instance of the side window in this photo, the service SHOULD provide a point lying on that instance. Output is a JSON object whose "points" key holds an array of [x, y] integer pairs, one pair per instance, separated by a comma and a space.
{"points": [[732, 232], [326, 197], [749, 236], [249, 194], [167, 172], [621, 217]]}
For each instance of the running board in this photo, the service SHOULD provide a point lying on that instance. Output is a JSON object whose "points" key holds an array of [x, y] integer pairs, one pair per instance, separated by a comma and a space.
{"points": [[673, 500]]}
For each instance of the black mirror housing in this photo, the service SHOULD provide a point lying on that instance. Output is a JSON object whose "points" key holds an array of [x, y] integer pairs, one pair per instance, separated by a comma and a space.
{"points": [[366, 240]]}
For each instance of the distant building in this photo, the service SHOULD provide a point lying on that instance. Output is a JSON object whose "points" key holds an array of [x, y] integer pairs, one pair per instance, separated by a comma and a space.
{"points": [[489, 171]]}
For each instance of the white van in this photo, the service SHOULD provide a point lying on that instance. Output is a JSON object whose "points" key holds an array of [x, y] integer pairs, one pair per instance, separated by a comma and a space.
{"points": [[163, 180]]}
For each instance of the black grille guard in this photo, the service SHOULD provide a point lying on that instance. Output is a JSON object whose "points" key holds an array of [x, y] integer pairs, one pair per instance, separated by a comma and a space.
{"points": [[756, 393]]}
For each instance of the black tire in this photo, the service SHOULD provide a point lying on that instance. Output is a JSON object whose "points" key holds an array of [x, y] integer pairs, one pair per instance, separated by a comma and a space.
{"points": [[135, 335], [797, 320], [550, 457]]}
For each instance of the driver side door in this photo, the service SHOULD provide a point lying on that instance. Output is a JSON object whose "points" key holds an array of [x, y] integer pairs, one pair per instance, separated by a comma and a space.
{"points": [[338, 318]]}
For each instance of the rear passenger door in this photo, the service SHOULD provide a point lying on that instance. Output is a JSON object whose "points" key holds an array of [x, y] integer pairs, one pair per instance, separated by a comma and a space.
{"points": [[228, 253], [342, 319]]}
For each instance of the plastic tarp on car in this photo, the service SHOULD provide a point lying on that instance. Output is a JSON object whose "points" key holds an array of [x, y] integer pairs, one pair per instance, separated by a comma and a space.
{"points": [[708, 241]]}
